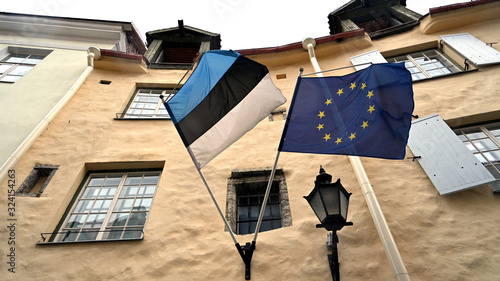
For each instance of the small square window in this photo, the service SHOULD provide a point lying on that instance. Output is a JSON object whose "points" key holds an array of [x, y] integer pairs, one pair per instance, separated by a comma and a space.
{"points": [[37, 180], [245, 194]]}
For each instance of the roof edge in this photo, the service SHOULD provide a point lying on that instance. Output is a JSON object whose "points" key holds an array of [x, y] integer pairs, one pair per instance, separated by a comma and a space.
{"points": [[298, 45], [452, 7], [123, 55]]}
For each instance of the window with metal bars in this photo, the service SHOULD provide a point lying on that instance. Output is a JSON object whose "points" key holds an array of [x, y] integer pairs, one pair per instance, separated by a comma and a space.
{"points": [[245, 193], [15, 66], [250, 198], [427, 64], [146, 104], [110, 206], [484, 142]]}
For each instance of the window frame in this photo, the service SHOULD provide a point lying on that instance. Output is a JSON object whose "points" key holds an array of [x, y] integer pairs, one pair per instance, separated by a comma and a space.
{"points": [[464, 134], [104, 228], [11, 66], [241, 177], [253, 206], [41, 175], [168, 93], [462, 51], [414, 58]]}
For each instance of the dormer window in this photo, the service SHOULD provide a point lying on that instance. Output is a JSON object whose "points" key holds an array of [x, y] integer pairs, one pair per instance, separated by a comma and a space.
{"points": [[178, 52], [377, 17], [178, 47]]}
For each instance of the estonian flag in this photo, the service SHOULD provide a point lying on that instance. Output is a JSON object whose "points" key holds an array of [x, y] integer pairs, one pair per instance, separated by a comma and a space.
{"points": [[225, 97], [366, 113]]}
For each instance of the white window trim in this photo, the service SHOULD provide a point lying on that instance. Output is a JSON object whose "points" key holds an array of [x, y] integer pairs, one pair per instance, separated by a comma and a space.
{"points": [[167, 93]]}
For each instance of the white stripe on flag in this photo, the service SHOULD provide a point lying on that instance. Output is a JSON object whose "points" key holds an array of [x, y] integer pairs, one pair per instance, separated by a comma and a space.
{"points": [[258, 104]]}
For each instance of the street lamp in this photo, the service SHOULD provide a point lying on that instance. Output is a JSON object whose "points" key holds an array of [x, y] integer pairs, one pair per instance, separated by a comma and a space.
{"points": [[329, 202]]}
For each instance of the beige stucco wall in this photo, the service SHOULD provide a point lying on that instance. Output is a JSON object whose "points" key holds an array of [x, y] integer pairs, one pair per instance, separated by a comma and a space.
{"points": [[24, 104], [452, 237]]}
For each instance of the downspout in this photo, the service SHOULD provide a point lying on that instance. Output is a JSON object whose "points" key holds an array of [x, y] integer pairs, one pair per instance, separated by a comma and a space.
{"points": [[390, 247], [92, 53]]}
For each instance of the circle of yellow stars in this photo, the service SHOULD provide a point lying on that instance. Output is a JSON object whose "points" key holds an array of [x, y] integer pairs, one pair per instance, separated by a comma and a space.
{"points": [[371, 109]]}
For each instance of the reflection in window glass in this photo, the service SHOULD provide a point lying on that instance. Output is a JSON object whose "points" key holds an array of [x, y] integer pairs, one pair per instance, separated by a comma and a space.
{"points": [[249, 206], [15, 66], [146, 103], [110, 206], [484, 143], [431, 63]]}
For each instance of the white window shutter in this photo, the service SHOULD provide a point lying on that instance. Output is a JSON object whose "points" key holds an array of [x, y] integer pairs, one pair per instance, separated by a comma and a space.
{"points": [[448, 163], [473, 49], [361, 61]]}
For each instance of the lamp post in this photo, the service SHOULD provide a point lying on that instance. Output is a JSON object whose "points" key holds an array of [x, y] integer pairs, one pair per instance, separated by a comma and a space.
{"points": [[330, 202]]}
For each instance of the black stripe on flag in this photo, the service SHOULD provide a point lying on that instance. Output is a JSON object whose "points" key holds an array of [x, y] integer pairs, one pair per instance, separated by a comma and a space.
{"points": [[238, 81]]}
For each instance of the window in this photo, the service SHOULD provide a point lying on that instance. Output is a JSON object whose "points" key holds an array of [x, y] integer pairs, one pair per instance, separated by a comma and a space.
{"points": [[249, 200], [434, 59], [110, 206], [447, 162], [37, 180], [427, 64], [19, 61], [484, 143], [146, 104], [245, 194], [377, 18]]}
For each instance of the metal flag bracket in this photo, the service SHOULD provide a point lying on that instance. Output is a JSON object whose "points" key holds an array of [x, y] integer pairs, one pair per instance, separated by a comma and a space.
{"points": [[246, 253]]}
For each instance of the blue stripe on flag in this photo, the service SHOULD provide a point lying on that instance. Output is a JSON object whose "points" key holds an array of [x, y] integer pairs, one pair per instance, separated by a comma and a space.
{"points": [[213, 65]]}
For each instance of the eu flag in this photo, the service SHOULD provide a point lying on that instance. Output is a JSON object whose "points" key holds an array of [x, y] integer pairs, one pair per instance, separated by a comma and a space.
{"points": [[366, 113]]}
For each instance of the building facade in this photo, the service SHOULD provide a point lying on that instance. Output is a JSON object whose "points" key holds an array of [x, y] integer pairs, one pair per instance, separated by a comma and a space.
{"points": [[42, 60], [109, 192]]}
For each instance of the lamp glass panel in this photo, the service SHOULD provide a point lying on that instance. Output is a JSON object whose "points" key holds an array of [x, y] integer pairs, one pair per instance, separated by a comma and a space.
{"points": [[317, 205], [344, 204], [330, 196]]}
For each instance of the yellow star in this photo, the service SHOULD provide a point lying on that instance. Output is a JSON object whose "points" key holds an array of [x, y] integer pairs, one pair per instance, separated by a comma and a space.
{"points": [[353, 85], [320, 126], [328, 101], [340, 92], [363, 86], [322, 114], [339, 140], [371, 109], [327, 137], [365, 124], [353, 136], [370, 94]]}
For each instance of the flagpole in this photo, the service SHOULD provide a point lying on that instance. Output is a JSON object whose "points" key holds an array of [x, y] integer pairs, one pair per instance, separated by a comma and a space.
{"points": [[390, 247], [213, 197], [269, 184], [266, 196]]}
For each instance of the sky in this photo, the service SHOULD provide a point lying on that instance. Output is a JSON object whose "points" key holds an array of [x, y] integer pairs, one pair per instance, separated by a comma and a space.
{"points": [[241, 24]]}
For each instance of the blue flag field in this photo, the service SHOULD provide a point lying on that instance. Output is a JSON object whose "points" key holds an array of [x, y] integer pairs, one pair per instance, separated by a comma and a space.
{"points": [[366, 113]]}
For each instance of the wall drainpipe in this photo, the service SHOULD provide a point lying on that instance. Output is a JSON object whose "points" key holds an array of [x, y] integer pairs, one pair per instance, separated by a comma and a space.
{"points": [[390, 247], [93, 53]]}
